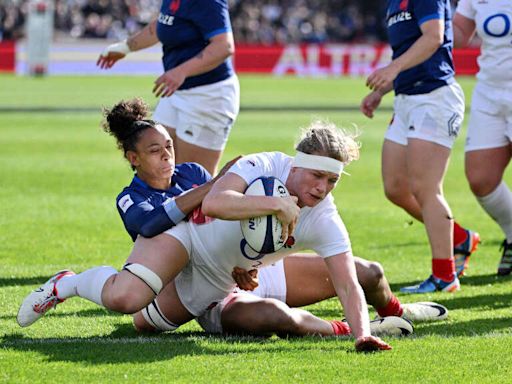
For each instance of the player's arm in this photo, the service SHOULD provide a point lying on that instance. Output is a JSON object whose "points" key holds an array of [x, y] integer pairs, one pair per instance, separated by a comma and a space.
{"points": [[344, 278], [141, 217], [220, 47], [431, 39], [463, 30], [226, 200], [144, 38]]}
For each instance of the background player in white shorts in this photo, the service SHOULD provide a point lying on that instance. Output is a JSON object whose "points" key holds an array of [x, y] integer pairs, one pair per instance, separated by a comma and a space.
{"points": [[488, 148], [197, 42], [206, 261], [428, 112]]}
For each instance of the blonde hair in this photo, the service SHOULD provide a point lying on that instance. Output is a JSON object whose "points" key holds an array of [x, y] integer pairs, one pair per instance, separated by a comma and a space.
{"points": [[324, 138]]}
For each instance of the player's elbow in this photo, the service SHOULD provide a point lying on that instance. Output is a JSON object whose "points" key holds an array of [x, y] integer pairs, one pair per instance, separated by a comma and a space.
{"points": [[148, 230], [230, 48], [211, 206], [227, 49]]}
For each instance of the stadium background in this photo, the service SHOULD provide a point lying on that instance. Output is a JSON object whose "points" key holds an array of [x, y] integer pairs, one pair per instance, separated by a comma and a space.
{"points": [[304, 37]]}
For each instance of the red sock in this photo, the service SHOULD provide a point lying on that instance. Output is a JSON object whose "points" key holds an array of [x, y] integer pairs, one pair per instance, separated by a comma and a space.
{"points": [[459, 234], [443, 269], [392, 308], [340, 327]]}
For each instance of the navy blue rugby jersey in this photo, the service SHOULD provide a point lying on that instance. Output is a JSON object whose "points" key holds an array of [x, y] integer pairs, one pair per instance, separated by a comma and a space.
{"points": [[404, 18], [184, 27], [142, 207]]}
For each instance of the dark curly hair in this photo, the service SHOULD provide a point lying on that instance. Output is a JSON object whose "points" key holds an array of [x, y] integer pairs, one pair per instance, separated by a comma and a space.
{"points": [[126, 121]]}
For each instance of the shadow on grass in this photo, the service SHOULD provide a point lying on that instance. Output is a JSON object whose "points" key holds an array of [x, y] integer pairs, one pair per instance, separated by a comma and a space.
{"points": [[484, 302], [81, 313], [14, 281], [125, 345], [470, 328]]}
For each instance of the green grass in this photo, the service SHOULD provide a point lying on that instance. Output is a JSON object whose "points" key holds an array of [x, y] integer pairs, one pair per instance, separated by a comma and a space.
{"points": [[60, 175]]}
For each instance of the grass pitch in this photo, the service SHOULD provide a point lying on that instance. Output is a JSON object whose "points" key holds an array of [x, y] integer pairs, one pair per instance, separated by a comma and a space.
{"points": [[60, 175]]}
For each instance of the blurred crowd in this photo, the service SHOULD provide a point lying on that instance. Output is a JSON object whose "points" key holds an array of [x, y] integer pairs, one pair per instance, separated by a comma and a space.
{"points": [[254, 21]]}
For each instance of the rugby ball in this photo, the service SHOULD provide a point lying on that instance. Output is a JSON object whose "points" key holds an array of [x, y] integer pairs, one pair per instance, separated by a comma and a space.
{"points": [[263, 234]]}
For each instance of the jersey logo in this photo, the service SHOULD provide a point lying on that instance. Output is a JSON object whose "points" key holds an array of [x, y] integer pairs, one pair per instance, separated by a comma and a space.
{"points": [[290, 242], [174, 6], [454, 125], [399, 17], [125, 202], [165, 19], [403, 5]]}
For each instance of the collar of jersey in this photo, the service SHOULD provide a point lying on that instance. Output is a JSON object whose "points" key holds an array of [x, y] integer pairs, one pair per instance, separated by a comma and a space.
{"points": [[144, 185]]}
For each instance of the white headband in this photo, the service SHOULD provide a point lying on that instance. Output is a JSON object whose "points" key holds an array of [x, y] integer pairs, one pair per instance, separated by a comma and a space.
{"points": [[320, 163]]}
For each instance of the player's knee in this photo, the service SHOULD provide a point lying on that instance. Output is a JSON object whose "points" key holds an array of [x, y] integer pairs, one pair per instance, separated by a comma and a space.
{"points": [[424, 191], [127, 300], [394, 193], [482, 185], [372, 276]]}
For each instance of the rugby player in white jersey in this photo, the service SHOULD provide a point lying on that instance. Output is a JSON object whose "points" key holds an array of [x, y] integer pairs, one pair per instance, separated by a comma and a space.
{"points": [[488, 143], [198, 256]]}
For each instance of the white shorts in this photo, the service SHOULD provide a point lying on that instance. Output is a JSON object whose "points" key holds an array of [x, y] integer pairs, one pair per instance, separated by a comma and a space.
{"points": [[436, 116], [490, 121], [272, 284], [202, 115], [194, 283]]}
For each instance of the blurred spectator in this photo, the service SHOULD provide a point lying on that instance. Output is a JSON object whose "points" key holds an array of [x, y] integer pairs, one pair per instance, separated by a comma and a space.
{"points": [[254, 21]]}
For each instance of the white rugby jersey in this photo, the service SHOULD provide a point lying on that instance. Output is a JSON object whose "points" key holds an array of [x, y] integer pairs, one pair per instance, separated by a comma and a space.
{"points": [[220, 244], [493, 20]]}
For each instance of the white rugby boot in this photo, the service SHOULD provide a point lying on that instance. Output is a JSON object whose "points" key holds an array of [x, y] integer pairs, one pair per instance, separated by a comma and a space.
{"points": [[424, 311], [40, 300]]}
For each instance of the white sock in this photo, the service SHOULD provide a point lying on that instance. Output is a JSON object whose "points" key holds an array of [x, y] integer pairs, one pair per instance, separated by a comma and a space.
{"points": [[498, 204], [88, 284]]}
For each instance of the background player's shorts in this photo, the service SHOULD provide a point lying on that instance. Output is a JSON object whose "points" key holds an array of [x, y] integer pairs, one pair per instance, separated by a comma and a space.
{"points": [[436, 116], [490, 122], [194, 283], [272, 284], [202, 115]]}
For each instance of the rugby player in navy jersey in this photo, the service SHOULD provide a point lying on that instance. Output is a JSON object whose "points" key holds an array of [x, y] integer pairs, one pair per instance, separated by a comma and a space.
{"points": [[154, 199], [200, 95], [428, 112]]}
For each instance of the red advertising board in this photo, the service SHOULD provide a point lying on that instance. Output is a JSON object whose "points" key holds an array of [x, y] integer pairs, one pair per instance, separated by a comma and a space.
{"points": [[329, 59], [299, 60], [7, 56]]}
